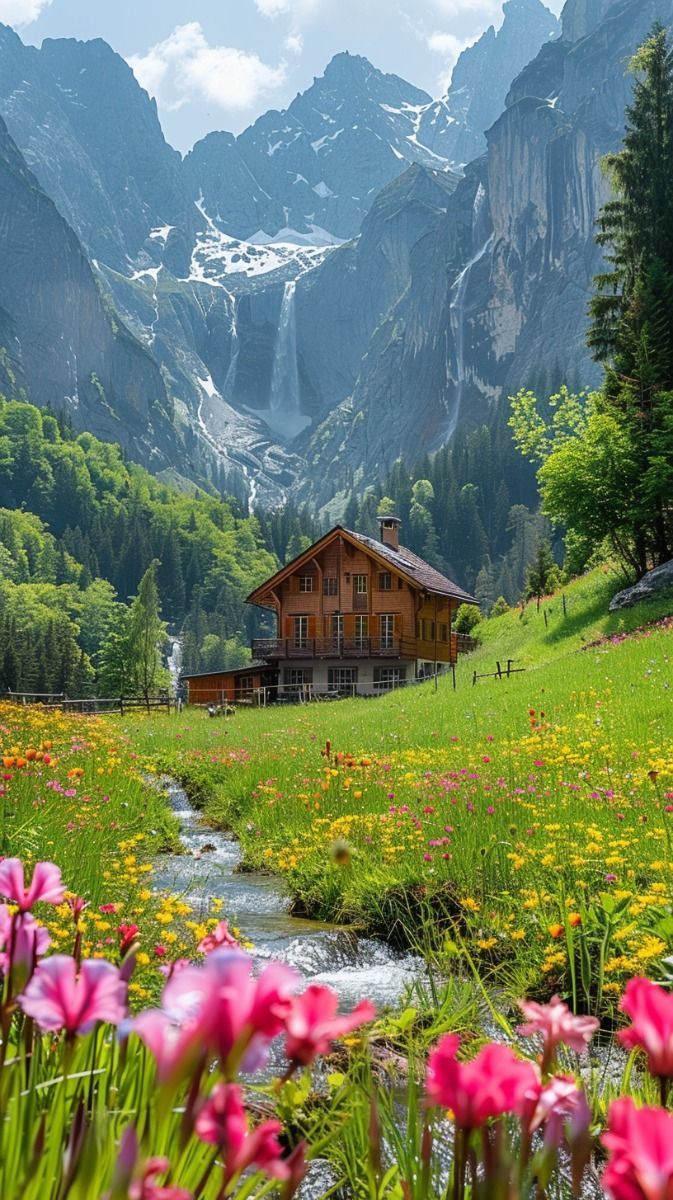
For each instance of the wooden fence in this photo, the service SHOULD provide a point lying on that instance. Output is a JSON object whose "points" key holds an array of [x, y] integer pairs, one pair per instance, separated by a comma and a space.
{"points": [[92, 704]]}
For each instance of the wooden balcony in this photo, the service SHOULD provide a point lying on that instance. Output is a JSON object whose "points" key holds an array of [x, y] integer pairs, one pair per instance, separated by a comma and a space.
{"points": [[275, 649]]}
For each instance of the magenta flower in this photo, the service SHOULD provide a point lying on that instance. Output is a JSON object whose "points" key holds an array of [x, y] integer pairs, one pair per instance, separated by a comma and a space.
{"points": [[558, 1026], [57, 997], [639, 1142], [22, 942], [492, 1084], [220, 936], [175, 1047], [46, 884], [651, 1011], [221, 1007], [561, 1104], [146, 1189], [223, 1122], [313, 1024]]}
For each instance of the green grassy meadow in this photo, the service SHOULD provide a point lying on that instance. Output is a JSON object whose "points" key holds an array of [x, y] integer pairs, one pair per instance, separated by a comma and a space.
{"points": [[524, 823]]}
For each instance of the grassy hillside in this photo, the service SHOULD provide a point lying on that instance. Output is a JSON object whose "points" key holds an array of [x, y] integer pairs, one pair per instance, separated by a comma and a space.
{"points": [[525, 820]]}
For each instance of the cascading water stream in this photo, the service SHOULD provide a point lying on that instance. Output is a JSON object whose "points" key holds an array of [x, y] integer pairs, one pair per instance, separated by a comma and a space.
{"points": [[258, 905], [457, 308], [230, 377], [284, 414]]}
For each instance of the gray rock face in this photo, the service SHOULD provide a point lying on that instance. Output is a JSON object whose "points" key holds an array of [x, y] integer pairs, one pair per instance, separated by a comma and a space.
{"points": [[318, 165], [57, 341], [498, 293], [92, 137], [455, 127], [658, 582]]}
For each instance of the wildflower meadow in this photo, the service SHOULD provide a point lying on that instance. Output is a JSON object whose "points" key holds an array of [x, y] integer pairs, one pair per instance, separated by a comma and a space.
{"points": [[515, 835]]}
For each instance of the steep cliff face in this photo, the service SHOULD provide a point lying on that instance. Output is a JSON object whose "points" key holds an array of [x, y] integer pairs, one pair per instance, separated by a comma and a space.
{"points": [[57, 341], [93, 139], [455, 127], [317, 167], [499, 293]]}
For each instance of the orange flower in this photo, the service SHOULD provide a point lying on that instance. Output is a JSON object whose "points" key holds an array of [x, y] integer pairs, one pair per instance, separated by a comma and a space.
{"points": [[8, 760], [31, 755], [556, 931], [574, 919], [21, 762], [47, 745]]}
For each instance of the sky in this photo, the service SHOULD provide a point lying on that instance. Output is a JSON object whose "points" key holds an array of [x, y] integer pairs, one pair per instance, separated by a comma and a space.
{"points": [[219, 64]]}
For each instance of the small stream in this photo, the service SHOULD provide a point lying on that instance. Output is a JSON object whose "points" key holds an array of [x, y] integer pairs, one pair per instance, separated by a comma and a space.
{"points": [[258, 906]]}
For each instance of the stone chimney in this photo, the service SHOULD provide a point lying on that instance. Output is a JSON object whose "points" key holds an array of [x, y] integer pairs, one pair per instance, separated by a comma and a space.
{"points": [[390, 531]]}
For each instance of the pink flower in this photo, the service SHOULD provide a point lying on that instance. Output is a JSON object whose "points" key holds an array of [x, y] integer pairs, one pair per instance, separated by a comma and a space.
{"points": [[22, 942], [651, 1011], [221, 1007], [223, 1122], [46, 884], [175, 1046], [639, 1142], [57, 997], [493, 1083], [219, 937], [313, 1024], [561, 1103], [558, 1026]]}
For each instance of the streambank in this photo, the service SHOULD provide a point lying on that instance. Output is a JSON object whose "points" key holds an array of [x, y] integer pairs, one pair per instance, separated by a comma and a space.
{"points": [[259, 905]]}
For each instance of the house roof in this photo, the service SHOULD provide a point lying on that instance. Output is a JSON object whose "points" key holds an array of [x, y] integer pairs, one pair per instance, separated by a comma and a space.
{"points": [[255, 665], [405, 562], [420, 571]]}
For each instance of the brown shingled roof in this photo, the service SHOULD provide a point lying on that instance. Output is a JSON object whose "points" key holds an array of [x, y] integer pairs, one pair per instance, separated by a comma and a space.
{"points": [[405, 560]]}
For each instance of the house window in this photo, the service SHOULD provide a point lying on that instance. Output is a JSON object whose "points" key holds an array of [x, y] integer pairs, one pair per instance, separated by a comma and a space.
{"points": [[297, 676], [387, 630], [337, 626], [305, 583], [385, 581], [386, 678], [300, 637], [330, 585], [443, 632], [360, 585], [361, 630], [342, 678], [400, 584]]}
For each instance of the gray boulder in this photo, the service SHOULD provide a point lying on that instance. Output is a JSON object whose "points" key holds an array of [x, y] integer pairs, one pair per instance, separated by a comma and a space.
{"points": [[656, 583]]}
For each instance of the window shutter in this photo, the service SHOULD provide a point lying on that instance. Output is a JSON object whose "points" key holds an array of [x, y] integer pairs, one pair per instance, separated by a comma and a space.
{"points": [[312, 627], [288, 627]]}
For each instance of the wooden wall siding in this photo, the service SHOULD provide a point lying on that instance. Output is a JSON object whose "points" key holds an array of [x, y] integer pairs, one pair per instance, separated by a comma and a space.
{"points": [[342, 561], [220, 687]]}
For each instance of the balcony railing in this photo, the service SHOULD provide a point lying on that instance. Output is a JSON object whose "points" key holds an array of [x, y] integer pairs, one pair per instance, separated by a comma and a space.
{"points": [[338, 647]]}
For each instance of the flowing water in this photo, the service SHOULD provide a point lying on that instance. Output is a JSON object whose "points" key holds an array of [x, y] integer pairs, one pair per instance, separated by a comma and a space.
{"points": [[230, 378], [174, 663], [284, 414], [258, 905]]}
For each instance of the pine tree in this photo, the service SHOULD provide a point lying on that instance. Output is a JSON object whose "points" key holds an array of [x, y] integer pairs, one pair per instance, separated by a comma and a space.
{"points": [[147, 634], [632, 311]]}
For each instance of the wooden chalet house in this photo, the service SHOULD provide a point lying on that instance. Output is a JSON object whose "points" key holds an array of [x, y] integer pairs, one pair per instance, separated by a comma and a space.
{"points": [[358, 616]]}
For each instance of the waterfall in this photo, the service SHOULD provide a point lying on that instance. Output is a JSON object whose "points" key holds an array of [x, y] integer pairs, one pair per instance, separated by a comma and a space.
{"points": [[230, 377], [457, 314], [284, 414], [174, 662]]}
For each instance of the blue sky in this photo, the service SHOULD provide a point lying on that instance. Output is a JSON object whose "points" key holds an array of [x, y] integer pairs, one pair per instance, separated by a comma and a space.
{"points": [[218, 64]]}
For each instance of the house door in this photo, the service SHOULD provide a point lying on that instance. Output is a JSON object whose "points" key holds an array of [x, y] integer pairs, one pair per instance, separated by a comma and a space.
{"points": [[387, 630], [300, 633], [360, 592], [361, 631]]}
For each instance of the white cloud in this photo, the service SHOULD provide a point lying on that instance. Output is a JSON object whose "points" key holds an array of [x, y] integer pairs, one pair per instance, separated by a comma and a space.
{"points": [[21, 12], [294, 43], [450, 47], [271, 8], [185, 67], [480, 10]]}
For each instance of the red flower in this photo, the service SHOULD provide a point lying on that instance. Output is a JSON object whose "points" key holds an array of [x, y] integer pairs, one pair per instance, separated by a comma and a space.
{"points": [[127, 937], [219, 937]]}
